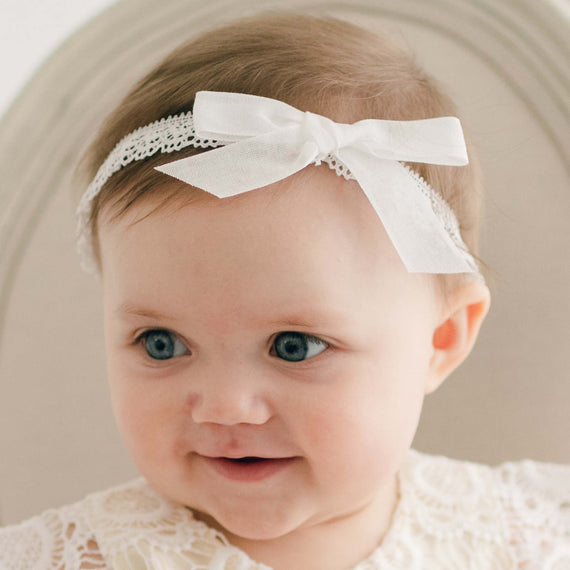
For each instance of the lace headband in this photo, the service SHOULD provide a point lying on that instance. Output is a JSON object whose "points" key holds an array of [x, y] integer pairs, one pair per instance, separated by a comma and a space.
{"points": [[263, 141]]}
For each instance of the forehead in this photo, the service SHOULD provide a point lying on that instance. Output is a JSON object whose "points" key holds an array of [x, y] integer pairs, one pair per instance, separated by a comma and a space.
{"points": [[313, 236]]}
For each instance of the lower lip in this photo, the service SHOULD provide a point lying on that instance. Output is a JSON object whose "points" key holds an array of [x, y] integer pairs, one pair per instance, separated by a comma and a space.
{"points": [[255, 471]]}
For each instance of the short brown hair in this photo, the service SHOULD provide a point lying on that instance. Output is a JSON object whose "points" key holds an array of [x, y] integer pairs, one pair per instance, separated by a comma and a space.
{"points": [[316, 64]]}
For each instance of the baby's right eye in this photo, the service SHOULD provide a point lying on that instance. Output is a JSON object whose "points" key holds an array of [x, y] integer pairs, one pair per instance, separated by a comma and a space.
{"points": [[162, 345]]}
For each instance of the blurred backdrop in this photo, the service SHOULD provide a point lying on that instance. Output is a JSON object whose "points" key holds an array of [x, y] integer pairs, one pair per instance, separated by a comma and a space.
{"points": [[30, 30]]}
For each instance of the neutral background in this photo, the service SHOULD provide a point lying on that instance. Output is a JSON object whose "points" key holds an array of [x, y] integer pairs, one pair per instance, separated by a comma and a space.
{"points": [[504, 61], [30, 30]]}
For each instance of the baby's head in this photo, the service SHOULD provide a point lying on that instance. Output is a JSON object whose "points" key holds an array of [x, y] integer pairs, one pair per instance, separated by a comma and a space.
{"points": [[324, 66], [280, 323]]}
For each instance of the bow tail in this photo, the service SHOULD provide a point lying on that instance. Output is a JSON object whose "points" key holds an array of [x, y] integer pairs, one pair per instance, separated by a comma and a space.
{"points": [[244, 165], [422, 242]]}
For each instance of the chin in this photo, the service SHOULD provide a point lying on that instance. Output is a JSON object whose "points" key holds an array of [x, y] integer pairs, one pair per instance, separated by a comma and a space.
{"points": [[252, 525]]}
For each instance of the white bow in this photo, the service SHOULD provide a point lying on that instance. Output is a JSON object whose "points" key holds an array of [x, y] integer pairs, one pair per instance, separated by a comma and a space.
{"points": [[267, 140]]}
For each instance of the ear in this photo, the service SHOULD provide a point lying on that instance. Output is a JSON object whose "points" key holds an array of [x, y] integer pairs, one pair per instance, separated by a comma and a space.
{"points": [[457, 330]]}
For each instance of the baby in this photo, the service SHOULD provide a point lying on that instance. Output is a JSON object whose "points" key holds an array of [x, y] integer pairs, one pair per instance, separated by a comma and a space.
{"points": [[284, 218]]}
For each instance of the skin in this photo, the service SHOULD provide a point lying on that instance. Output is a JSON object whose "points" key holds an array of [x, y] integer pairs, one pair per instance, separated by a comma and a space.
{"points": [[307, 254]]}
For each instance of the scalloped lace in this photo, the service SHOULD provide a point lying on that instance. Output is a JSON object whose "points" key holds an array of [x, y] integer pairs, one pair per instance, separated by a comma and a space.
{"points": [[56, 539], [452, 514], [166, 135]]}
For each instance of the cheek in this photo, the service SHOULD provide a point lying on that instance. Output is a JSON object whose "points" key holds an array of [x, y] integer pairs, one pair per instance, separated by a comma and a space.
{"points": [[133, 417], [349, 455], [363, 421], [144, 415]]}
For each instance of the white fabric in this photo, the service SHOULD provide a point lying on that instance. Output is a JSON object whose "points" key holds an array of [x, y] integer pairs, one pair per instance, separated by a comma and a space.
{"points": [[451, 515], [273, 140]]}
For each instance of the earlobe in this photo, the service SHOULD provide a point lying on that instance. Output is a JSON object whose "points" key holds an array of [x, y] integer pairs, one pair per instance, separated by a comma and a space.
{"points": [[457, 331]]}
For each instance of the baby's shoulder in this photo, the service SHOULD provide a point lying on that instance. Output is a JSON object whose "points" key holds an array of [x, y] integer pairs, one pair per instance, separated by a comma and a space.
{"points": [[535, 496], [526, 501], [56, 539], [528, 487], [535, 486]]}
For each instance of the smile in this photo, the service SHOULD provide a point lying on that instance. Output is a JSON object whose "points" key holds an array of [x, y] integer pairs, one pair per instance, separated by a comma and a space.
{"points": [[247, 469]]}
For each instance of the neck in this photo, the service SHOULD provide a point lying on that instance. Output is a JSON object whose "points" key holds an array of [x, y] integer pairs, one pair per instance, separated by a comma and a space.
{"points": [[336, 544]]}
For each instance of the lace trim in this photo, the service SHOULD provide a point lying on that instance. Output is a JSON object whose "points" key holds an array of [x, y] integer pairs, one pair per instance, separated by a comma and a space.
{"points": [[55, 540], [536, 497], [166, 135], [136, 527], [175, 133]]}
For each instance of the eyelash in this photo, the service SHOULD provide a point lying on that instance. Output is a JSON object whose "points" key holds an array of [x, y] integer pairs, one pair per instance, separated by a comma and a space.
{"points": [[307, 337], [140, 339]]}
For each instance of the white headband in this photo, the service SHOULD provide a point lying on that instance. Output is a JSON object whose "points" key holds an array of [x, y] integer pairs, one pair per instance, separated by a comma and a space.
{"points": [[264, 140]]}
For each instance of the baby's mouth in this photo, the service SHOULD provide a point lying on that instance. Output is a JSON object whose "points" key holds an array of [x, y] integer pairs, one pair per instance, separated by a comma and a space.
{"points": [[248, 468]]}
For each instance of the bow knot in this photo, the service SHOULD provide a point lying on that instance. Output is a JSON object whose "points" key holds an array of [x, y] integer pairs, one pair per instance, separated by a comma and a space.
{"points": [[327, 136]]}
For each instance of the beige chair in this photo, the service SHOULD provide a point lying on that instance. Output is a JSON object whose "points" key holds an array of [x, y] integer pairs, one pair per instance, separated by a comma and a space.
{"points": [[504, 63]]}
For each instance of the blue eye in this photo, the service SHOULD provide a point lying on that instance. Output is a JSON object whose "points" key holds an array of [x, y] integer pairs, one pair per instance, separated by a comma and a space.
{"points": [[162, 345], [296, 346]]}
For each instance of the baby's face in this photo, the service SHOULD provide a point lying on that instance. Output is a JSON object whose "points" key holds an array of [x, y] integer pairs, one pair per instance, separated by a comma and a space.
{"points": [[280, 325]]}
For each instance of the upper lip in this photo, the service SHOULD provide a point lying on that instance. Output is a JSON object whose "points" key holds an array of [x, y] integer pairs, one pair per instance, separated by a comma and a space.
{"points": [[217, 445]]}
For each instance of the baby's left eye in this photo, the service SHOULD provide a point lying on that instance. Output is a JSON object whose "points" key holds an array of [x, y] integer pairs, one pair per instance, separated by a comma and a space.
{"points": [[296, 346]]}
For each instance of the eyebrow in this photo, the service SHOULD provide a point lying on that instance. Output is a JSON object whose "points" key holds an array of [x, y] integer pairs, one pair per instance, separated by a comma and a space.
{"points": [[306, 319], [127, 309]]}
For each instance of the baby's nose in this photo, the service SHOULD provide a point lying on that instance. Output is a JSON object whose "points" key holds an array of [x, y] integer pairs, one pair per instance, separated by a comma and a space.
{"points": [[229, 399]]}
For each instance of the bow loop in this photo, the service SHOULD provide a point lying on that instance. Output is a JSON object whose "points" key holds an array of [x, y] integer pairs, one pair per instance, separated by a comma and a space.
{"points": [[231, 117]]}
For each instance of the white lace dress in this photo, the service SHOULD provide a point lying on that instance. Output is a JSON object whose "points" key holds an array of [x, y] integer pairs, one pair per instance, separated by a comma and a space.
{"points": [[451, 515]]}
